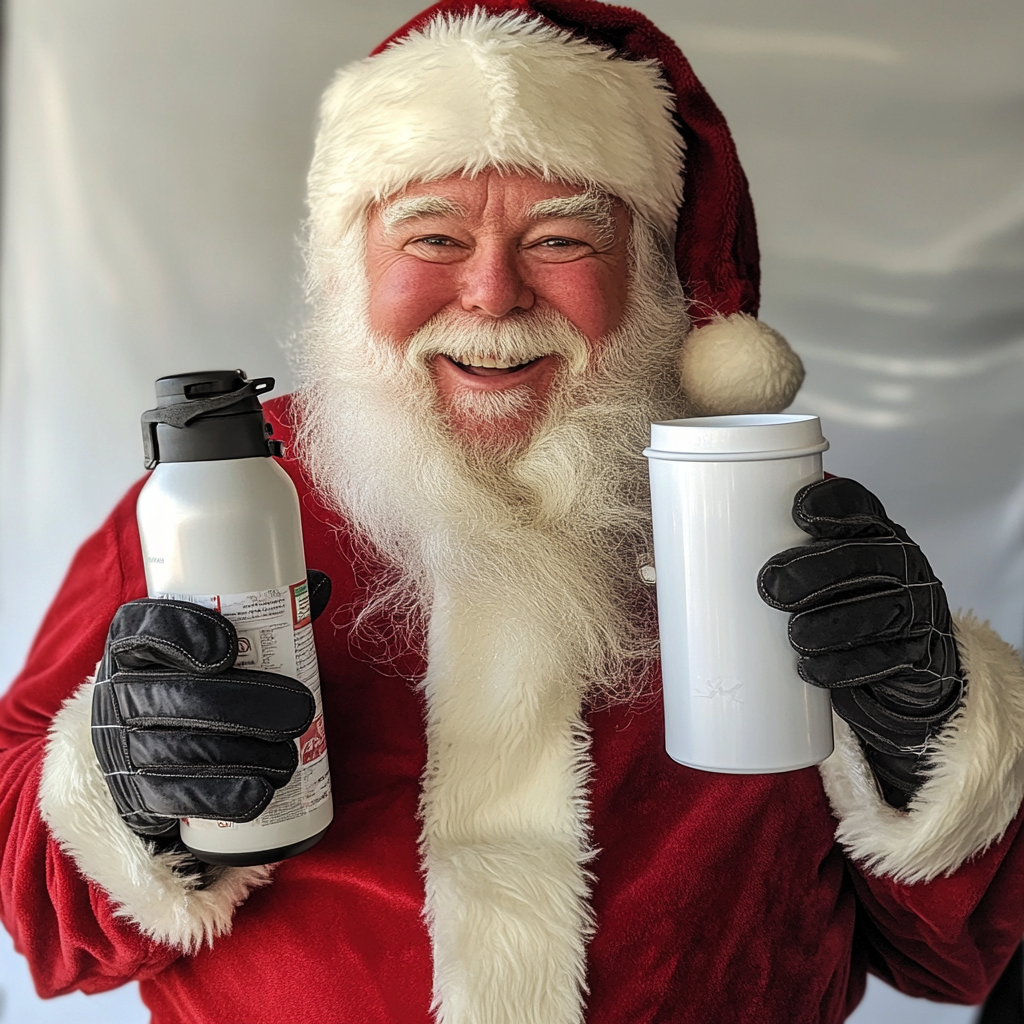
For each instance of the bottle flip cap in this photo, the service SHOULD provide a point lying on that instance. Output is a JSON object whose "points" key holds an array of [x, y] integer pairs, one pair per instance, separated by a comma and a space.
{"points": [[204, 417]]}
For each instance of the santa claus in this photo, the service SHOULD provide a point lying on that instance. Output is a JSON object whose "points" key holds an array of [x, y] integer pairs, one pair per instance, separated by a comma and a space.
{"points": [[529, 238]]}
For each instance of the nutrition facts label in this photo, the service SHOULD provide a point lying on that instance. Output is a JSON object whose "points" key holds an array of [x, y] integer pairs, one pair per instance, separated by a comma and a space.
{"points": [[275, 634]]}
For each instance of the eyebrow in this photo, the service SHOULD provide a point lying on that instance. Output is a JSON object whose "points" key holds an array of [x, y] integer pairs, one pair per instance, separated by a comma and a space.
{"points": [[594, 208], [410, 207]]}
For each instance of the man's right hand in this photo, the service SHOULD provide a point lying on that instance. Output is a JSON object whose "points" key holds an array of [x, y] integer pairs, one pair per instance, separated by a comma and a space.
{"points": [[178, 731]]}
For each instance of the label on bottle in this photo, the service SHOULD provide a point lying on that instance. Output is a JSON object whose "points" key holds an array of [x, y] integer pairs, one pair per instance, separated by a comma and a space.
{"points": [[275, 634]]}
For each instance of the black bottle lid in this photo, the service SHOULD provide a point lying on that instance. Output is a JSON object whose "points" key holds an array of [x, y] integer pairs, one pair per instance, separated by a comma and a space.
{"points": [[203, 417]]}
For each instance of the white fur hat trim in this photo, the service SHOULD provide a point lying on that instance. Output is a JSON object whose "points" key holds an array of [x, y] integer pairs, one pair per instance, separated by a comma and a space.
{"points": [[503, 91], [736, 364]]}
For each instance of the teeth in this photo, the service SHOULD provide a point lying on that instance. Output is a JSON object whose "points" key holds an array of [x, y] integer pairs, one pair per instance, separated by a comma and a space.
{"points": [[488, 362]]}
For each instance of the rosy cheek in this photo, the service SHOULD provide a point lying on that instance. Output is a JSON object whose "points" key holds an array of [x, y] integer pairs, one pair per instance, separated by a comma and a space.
{"points": [[407, 294], [586, 292]]}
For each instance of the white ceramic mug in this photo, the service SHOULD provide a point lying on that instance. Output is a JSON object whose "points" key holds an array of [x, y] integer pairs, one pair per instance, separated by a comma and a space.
{"points": [[722, 490]]}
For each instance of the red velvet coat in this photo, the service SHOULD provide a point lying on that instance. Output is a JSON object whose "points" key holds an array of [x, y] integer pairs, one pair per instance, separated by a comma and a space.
{"points": [[717, 897]]}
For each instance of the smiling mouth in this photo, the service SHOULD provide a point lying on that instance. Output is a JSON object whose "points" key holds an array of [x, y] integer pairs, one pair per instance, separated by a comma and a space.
{"points": [[489, 366]]}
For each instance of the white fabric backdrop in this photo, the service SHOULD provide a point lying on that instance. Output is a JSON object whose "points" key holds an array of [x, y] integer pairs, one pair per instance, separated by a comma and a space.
{"points": [[154, 164]]}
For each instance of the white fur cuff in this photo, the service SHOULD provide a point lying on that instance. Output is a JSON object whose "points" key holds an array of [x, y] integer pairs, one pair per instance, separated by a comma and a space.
{"points": [[80, 812], [974, 790]]}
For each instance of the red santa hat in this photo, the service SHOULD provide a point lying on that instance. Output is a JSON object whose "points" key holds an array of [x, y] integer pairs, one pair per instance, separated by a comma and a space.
{"points": [[583, 92]]}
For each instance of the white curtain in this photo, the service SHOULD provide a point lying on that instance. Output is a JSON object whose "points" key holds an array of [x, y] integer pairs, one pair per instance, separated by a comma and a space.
{"points": [[153, 179]]}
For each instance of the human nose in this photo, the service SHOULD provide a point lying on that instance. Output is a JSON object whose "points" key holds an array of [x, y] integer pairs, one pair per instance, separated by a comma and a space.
{"points": [[493, 284]]}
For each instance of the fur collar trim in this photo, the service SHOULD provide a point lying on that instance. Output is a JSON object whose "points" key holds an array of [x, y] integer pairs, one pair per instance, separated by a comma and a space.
{"points": [[504, 840]]}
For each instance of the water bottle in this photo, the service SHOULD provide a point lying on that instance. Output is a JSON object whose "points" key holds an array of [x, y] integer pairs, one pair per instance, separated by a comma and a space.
{"points": [[220, 527], [722, 490]]}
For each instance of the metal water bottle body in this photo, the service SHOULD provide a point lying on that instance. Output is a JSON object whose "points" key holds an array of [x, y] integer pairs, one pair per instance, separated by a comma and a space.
{"points": [[226, 533], [227, 527]]}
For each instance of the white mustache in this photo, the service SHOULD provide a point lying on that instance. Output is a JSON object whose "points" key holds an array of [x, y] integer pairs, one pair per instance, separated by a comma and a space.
{"points": [[510, 341]]}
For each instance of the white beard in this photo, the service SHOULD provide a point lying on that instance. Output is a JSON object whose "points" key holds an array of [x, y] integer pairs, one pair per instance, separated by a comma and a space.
{"points": [[520, 567]]}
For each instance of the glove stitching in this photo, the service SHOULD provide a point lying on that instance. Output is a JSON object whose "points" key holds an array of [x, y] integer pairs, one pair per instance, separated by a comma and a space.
{"points": [[131, 781], [218, 621], [125, 677], [197, 610], [140, 721], [148, 640], [802, 603], [816, 546], [244, 818], [814, 550], [241, 773], [219, 771], [883, 674], [212, 727], [322, 581], [892, 631]]}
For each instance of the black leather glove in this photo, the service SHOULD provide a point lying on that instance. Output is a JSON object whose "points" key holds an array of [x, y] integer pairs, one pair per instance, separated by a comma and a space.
{"points": [[178, 731], [871, 624]]}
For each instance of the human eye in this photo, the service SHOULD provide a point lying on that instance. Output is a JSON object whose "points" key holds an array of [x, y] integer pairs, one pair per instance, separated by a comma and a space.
{"points": [[435, 247], [560, 247], [438, 241]]}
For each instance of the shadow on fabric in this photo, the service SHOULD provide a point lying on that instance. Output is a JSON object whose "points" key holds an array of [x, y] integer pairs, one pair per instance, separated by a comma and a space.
{"points": [[1005, 1004]]}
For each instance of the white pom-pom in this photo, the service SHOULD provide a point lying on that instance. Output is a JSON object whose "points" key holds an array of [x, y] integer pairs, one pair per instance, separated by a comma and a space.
{"points": [[736, 364]]}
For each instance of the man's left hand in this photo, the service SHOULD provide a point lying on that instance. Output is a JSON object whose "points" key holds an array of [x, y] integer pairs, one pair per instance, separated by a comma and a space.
{"points": [[871, 624]]}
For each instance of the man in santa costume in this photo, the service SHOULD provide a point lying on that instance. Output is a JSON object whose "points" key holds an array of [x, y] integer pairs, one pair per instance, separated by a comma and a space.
{"points": [[529, 237]]}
